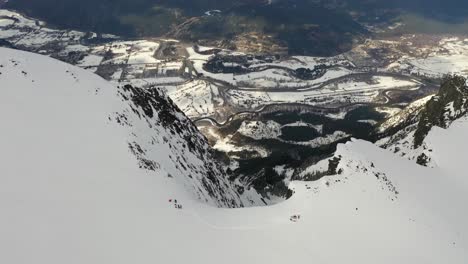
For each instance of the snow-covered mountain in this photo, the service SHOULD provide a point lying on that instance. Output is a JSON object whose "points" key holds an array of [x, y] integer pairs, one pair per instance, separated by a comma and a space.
{"points": [[61, 121], [406, 132], [89, 173]]}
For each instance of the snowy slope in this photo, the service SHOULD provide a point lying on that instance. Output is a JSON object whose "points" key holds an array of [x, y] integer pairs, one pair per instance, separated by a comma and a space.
{"points": [[65, 119], [71, 191]]}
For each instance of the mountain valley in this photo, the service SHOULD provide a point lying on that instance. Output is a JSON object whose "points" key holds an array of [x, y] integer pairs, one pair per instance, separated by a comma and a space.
{"points": [[153, 139], [119, 208]]}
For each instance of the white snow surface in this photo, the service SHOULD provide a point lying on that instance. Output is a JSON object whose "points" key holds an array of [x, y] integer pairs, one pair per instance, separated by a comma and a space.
{"points": [[70, 192], [260, 130], [87, 127], [449, 57], [196, 98]]}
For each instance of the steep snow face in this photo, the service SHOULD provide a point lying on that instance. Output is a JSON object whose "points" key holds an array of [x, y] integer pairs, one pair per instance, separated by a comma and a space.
{"points": [[421, 206], [62, 123], [433, 199]]}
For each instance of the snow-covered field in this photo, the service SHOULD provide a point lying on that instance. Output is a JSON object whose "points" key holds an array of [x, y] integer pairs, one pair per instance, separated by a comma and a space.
{"points": [[325, 140], [271, 79], [449, 57], [197, 98], [345, 92], [71, 190], [227, 146], [6, 22], [274, 78], [144, 52], [260, 130]]}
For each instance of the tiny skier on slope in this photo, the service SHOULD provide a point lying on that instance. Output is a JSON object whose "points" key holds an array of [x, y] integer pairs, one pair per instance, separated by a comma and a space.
{"points": [[176, 206], [295, 218]]}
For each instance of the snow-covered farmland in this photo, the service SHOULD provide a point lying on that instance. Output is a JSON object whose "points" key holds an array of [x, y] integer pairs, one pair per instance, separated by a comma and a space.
{"points": [[6, 22], [349, 91], [226, 145], [450, 56], [260, 130], [143, 52], [274, 75], [278, 78], [197, 98]]}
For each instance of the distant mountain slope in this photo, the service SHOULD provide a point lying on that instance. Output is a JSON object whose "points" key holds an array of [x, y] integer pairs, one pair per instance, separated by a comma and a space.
{"points": [[406, 132], [297, 27], [62, 121]]}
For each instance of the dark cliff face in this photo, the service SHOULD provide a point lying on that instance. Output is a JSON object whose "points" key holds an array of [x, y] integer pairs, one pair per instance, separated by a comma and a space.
{"points": [[408, 130], [448, 105], [194, 160]]}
